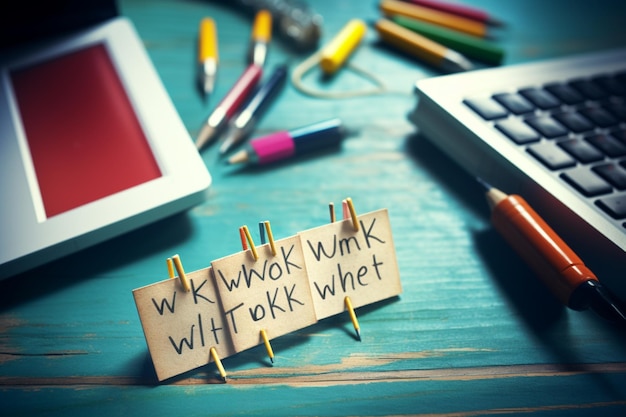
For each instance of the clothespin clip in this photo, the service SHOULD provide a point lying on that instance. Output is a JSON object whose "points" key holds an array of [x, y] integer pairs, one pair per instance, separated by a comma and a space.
{"points": [[170, 268], [355, 322], [246, 232], [268, 346], [181, 273], [218, 363], [270, 237], [331, 209], [348, 211], [242, 235], [266, 230]]}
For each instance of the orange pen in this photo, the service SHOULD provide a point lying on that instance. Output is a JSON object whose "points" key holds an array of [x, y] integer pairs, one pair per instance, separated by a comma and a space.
{"points": [[562, 271], [450, 21]]}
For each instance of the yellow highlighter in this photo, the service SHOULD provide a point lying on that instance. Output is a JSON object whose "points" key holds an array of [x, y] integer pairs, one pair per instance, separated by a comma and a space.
{"points": [[261, 36], [335, 53], [207, 54]]}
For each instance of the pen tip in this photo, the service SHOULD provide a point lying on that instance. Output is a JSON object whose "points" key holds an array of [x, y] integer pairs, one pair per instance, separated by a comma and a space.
{"points": [[484, 184], [358, 335], [204, 136], [605, 304], [238, 158]]}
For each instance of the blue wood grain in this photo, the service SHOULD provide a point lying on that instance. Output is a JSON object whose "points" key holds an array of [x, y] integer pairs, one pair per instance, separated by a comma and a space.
{"points": [[473, 333]]}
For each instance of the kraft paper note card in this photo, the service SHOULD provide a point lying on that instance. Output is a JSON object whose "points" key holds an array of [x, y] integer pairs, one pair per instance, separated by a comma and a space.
{"points": [[181, 327], [271, 293], [344, 262]]}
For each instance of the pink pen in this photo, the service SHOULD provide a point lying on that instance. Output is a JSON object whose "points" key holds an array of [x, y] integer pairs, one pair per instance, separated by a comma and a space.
{"points": [[459, 10], [285, 144], [229, 105]]}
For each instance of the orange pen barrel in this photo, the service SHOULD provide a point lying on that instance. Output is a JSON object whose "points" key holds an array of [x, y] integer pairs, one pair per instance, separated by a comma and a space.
{"points": [[546, 253]]}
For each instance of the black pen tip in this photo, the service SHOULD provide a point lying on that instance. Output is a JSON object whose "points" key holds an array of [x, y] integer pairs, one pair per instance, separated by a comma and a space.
{"points": [[605, 304]]}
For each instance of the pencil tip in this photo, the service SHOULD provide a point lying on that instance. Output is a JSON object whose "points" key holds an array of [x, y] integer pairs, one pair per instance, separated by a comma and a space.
{"points": [[358, 335], [204, 136], [272, 360], [238, 158], [484, 183]]}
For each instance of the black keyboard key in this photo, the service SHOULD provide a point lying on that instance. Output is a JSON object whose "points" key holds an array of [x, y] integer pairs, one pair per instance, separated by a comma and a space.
{"points": [[581, 150], [619, 134], [613, 174], [586, 182], [611, 84], [551, 155], [547, 126], [614, 205], [518, 131], [600, 116], [514, 102], [574, 122], [589, 89], [540, 98], [618, 110], [565, 93], [607, 144], [487, 108]]}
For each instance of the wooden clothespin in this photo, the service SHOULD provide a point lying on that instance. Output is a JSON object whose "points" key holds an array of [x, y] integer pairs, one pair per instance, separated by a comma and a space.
{"points": [[270, 237], [348, 211], [181, 272], [331, 209], [255, 255], [170, 268], [355, 322], [242, 236], [218, 363]]}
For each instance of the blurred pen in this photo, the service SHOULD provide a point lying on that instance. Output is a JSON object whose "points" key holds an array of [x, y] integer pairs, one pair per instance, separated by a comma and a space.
{"points": [[207, 55], [421, 47], [469, 26], [470, 46], [228, 105], [549, 256], [261, 35], [243, 124], [459, 10]]}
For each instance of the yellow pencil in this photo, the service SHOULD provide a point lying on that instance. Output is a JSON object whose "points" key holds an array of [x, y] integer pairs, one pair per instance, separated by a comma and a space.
{"points": [[335, 53], [181, 272], [355, 322], [421, 47], [261, 36], [268, 346], [218, 363], [207, 54], [462, 24]]}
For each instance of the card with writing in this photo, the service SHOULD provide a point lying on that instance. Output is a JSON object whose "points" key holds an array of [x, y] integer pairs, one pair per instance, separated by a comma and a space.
{"points": [[270, 293], [181, 327], [344, 262]]}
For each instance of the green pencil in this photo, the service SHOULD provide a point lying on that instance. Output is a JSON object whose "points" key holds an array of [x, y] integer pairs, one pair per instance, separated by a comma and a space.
{"points": [[470, 46]]}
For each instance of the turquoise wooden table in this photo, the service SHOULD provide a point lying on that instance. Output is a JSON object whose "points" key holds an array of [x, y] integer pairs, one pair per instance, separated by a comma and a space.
{"points": [[473, 333]]}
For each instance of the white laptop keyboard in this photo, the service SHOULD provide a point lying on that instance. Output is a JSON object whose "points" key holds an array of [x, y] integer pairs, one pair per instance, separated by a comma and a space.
{"points": [[553, 128]]}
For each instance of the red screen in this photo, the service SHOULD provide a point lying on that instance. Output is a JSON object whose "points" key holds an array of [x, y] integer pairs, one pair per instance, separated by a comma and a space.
{"points": [[84, 137]]}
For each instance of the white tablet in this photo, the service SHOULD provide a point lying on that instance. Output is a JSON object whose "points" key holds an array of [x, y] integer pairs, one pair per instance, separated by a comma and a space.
{"points": [[91, 146]]}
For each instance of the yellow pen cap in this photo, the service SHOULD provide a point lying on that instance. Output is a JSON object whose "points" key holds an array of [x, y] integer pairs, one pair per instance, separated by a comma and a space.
{"points": [[207, 40], [335, 53], [262, 29]]}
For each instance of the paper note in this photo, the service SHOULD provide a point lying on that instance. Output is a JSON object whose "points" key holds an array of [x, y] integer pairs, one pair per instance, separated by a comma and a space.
{"points": [[344, 262], [181, 327], [271, 293]]}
